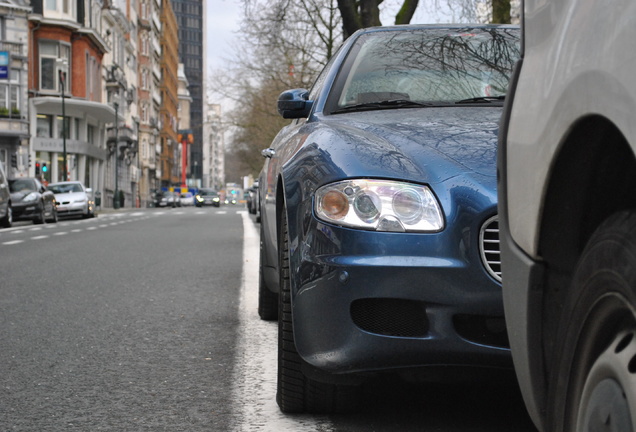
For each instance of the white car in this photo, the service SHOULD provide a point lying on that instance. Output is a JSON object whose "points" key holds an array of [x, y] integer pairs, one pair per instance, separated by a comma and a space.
{"points": [[73, 199], [187, 199]]}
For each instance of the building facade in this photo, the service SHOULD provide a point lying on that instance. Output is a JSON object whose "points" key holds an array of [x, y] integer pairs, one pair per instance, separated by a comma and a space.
{"points": [[90, 90], [190, 16], [66, 113], [168, 111], [213, 149], [149, 98], [14, 125], [186, 138]]}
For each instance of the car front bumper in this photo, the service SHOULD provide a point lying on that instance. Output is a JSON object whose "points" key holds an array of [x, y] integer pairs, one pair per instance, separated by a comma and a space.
{"points": [[367, 301], [29, 211], [72, 209]]}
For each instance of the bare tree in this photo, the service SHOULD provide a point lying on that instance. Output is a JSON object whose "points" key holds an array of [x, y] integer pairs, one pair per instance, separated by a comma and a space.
{"points": [[285, 43], [357, 14]]}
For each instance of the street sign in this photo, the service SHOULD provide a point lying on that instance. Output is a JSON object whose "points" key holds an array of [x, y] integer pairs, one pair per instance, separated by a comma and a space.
{"points": [[4, 64]]}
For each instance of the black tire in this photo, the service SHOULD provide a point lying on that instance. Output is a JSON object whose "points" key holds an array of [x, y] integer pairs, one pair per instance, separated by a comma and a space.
{"points": [[53, 218], [593, 378], [267, 300], [297, 393], [7, 220], [41, 217]]}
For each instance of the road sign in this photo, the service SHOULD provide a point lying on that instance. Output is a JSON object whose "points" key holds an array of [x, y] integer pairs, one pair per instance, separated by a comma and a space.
{"points": [[4, 64]]}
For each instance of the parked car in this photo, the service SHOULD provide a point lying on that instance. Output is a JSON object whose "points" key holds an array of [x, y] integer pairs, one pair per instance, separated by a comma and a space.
{"points": [[207, 197], [169, 199], [567, 165], [73, 199], [186, 199], [379, 239], [31, 200], [252, 198], [6, 216]]}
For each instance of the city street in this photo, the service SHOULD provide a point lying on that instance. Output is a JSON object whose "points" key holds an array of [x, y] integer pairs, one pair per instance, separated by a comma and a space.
{"points": [[146, 320]]}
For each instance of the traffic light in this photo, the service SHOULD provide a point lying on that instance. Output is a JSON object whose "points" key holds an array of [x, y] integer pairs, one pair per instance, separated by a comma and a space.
{"points": [[37, 168], [29, 160], [14, 160], [44, 168]]}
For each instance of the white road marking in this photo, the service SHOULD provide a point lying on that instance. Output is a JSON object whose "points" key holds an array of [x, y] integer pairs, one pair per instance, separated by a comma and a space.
{"points": [[254, 389], [12, 242]]}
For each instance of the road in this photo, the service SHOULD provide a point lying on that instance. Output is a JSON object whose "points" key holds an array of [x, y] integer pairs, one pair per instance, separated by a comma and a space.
{"points": [[145, 320]]}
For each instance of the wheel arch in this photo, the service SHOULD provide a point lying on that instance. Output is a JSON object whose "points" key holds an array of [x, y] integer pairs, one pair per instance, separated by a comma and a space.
{"points": [[592, 177]]}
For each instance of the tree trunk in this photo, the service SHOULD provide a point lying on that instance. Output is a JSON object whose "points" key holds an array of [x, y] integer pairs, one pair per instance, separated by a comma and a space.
{"points": [[359, 14], [501, 11], [351, 20], [406, 12]]}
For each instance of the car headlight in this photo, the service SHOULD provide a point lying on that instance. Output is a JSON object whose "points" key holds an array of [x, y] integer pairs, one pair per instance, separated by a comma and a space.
{"points": [[30, 197], [379, 205], [198, 198]]}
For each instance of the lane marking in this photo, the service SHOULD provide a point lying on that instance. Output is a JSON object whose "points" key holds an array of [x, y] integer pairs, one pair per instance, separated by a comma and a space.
{"points": [[12, 242], [256, 362]]}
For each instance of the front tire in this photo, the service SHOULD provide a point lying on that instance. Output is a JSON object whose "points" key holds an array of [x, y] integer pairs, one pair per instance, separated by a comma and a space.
{"points": [[593, 384], [267, 300], [7, 220], [53, 218], [297, 393], [41, 217]]}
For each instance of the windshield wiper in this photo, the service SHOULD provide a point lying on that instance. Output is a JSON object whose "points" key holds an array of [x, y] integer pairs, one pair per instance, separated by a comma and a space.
{"points": [[393, 103], [487, 99]]}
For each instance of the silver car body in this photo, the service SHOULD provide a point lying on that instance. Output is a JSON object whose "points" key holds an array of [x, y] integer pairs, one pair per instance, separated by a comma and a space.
{"points": [[578, 64]]}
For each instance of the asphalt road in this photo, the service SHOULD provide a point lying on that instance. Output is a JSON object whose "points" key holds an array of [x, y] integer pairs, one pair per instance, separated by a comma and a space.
{"points": [[146, 321]]}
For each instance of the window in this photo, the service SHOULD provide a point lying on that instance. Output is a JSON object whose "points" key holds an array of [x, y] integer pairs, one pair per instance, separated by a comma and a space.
{"points": [[64, 9], [10, 93], [144, 79], [44, 128], [90, 134], [50, 68], [63, 128]]}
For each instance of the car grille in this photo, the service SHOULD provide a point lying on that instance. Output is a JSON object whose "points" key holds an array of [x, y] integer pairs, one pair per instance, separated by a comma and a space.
{"points": [[489, 247], [390, 317]]}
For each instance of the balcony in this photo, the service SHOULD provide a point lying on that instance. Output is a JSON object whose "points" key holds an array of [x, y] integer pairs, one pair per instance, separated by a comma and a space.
{"points": [[15, 48], [126, 134]]}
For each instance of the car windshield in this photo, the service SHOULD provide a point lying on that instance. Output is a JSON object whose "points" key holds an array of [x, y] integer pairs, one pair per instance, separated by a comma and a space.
{"points": [[207, 193], [428, 66], [22, 185], [65, 188]]}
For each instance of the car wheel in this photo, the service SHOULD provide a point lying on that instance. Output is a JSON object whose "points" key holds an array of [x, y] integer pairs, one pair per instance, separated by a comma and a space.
{"points": [[7, 220], [594, 382], [53, 215], [267, 300], [296, 392], [40, 218]]}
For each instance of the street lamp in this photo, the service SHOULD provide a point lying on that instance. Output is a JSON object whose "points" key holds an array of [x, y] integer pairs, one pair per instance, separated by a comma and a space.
{"points": [[62, 70], [116, 201]]}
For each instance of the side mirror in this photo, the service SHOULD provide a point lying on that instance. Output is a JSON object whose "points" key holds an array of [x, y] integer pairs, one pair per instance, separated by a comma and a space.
{"points": [[89, 190], [293, 104]]}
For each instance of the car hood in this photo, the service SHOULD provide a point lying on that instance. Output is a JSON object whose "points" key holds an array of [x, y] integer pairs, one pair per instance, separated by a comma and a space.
{"points": [[19, 196], [425, 145], [71, 196]]}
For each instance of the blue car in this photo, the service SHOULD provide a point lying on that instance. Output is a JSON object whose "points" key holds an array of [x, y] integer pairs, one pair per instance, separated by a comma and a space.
{"points": [[379, 229]]}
